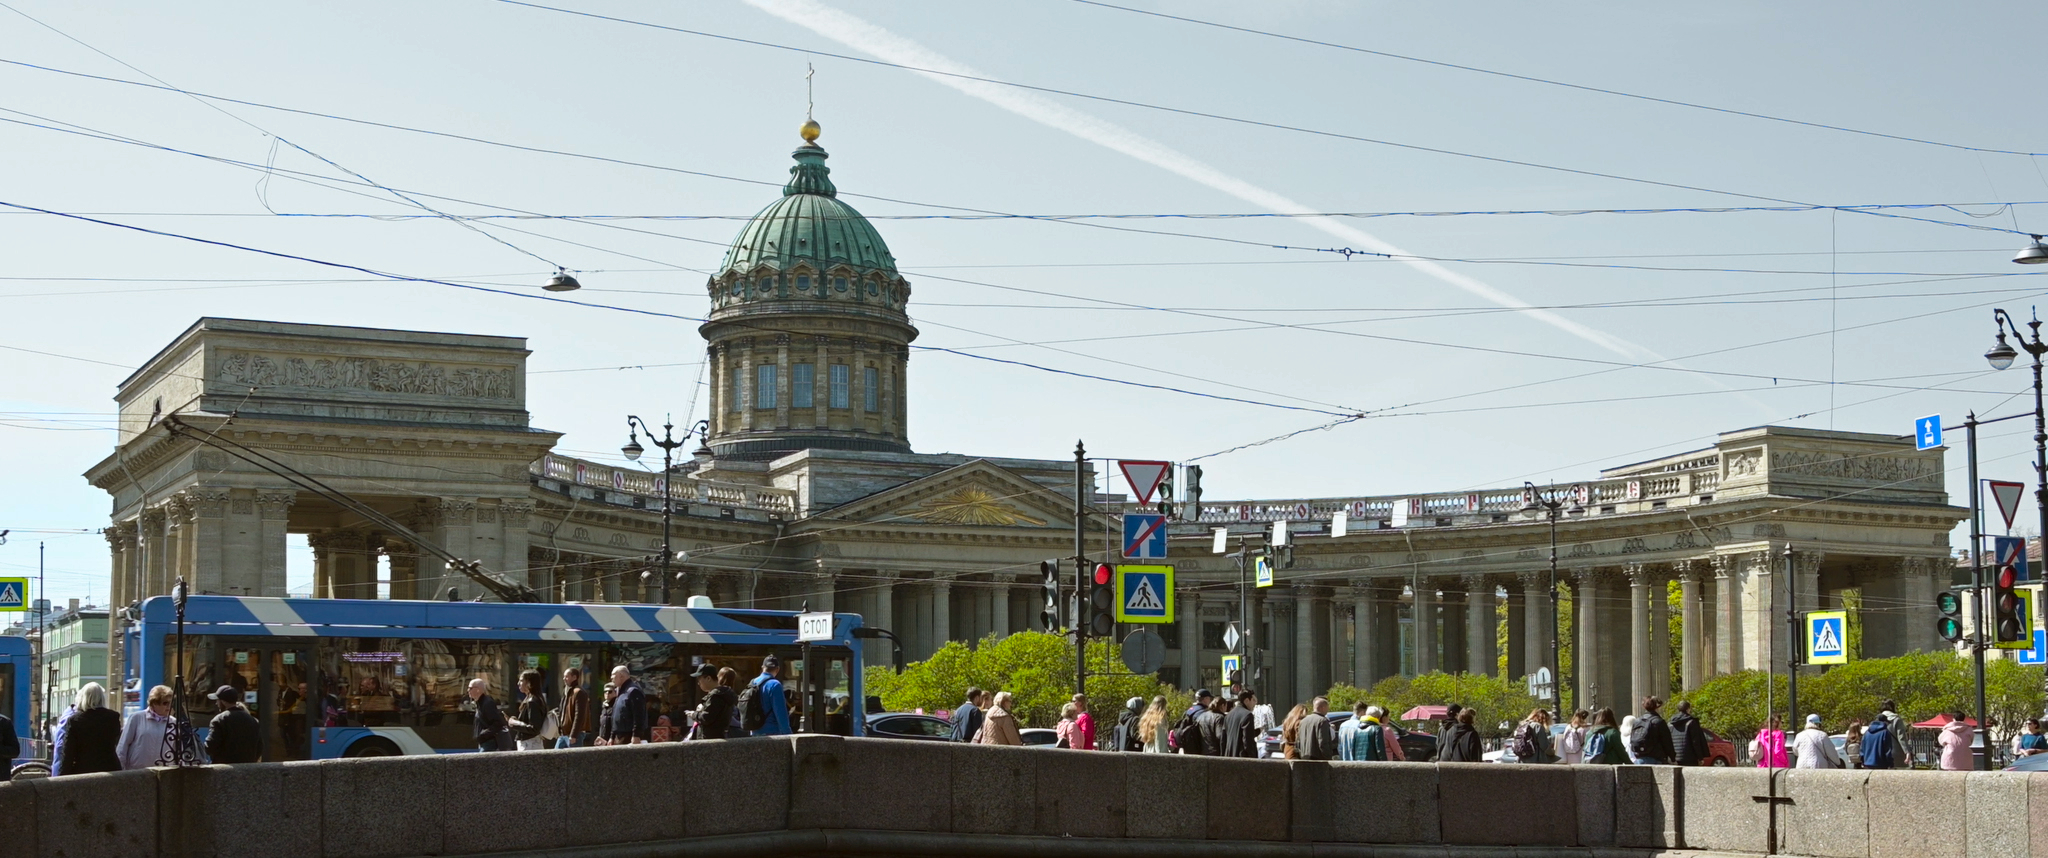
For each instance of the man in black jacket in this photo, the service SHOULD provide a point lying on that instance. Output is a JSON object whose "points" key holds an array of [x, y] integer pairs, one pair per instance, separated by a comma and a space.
{"points": [[490, 720], [1688, 738], [233, 736], [1240, 730], [714, 713], [629, 712], [967, 718], [1652, 740]]}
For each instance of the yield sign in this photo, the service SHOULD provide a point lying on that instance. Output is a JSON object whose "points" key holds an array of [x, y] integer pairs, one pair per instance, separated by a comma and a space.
{"points": [[1143, 476], [2008, 497]]}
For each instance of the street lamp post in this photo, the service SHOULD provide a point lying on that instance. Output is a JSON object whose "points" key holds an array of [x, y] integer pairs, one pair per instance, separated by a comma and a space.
{"points": [[1552, 502], [668, 444], [2001, 356]]}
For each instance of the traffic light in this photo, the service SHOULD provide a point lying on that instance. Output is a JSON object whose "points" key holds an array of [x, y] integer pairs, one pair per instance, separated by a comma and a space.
{"points": [[1163, 498], [1191, 508], [2009, 621], [1102, 602], [1049, 575], [1949, 624]]}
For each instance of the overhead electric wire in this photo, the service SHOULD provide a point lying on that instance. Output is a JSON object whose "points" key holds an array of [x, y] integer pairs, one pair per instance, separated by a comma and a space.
{"points": [[1558, 83]]}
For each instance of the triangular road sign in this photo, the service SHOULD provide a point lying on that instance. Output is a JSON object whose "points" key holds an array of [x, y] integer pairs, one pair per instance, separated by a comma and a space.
{"points": [[2008, 497], [1143, 476]]}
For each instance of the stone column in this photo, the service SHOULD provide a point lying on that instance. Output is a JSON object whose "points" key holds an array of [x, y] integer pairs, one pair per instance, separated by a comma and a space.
{"points": [[1482, 638], [274, 507], [1727, 613], [514, 516], [1586, 656], [152, 558], [942, 612], [782, 381], [1536, 597], [1806, 568], [1451, 627], [323, 565], [1424, 606], [1517, 625], [825, 591], [1660, 636], [611, 581], [177, 542], [1279, 643], [1640, 581], [1363, 662], [404, 561], [999, 607], [1691, 658], [885, 614], [1305, 659], [121, 558], [1917, 586], [241, 571], [1188, 617]]}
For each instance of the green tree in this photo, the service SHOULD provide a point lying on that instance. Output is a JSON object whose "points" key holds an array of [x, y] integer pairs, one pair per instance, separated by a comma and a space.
{"points": [[1496, 699], [1036, 668]]}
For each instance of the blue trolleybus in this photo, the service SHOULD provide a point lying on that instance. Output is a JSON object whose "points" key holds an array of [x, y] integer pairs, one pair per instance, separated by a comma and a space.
{"points": [[355, 678], [15, 678]]}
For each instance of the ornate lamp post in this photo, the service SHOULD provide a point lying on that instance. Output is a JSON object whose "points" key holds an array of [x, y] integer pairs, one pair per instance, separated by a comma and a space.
{"points": [[1552, 501], [668, 444], [2001, 356]]}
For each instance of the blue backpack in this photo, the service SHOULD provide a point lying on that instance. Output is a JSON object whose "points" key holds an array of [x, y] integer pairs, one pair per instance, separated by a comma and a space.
{"points": [[1596, 745]]}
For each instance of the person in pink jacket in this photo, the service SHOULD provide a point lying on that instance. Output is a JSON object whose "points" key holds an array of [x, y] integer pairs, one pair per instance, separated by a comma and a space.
{"points": [[1955, 744], [1769, 745]]}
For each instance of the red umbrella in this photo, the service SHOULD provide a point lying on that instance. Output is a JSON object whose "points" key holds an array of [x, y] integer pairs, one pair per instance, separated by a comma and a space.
{"points": [[1939, 721], [1426, 713]]}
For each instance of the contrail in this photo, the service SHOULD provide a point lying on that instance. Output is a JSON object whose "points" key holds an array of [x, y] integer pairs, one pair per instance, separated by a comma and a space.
{"points": [[868, 38]]}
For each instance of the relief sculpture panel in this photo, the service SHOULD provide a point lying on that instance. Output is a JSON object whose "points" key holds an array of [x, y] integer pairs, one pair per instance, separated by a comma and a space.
{"points": [[367, 375]]}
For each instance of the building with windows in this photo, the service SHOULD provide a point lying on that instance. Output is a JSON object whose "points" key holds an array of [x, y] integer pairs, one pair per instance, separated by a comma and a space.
{"points": [[808, 492], [77, 649]]}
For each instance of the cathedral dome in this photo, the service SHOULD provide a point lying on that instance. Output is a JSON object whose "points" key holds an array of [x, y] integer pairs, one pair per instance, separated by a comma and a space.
{"points": [[810, 224]]}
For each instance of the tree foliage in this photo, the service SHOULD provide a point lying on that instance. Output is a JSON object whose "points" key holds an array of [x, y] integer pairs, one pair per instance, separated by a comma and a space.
{"points": [[1496, 699], [1923, 684], [1037, 668]]}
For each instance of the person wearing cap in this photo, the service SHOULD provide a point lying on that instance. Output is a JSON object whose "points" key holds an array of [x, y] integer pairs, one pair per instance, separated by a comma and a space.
{"points": [[774, 707], [714, 712], [233, 736], [1814, 749], [1203, 701]]}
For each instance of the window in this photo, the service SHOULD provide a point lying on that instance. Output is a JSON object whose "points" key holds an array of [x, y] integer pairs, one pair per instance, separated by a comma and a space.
{"points": [[764, 386], [803, 282], [838, 284], [800, 382], [842, 382], [1212, 635], [733, 388], [871, 389]]}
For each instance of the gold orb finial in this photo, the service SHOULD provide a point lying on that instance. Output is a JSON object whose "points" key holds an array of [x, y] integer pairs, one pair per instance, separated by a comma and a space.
{"points": [[810, 130]]}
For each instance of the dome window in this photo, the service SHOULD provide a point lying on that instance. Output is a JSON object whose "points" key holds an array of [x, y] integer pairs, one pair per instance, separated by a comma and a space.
{"points": [[838, 284], [803, 283]]}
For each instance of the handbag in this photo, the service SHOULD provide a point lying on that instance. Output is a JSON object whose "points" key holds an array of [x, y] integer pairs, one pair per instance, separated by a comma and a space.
{"points": [[551, 727]]}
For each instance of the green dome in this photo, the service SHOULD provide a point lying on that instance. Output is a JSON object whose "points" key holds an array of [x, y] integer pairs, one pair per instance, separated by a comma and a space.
{"points": [[809, 225]]}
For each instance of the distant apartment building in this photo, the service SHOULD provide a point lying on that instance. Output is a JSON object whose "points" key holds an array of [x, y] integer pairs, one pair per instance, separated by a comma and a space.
{"points": [[77, 649]]}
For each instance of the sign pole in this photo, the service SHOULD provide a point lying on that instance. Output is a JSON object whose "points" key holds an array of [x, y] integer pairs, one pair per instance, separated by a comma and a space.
{"points": [[1979, 640], [1795, 642], [1082, 574]]}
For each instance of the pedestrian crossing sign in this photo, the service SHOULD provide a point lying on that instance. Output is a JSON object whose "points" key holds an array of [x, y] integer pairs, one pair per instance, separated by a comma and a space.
{"points": [[1144, 594], [1230, 667], [13, 594], [1827, 637]]}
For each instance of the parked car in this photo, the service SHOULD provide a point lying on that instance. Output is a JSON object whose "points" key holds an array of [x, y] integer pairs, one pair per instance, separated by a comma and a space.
{"points": [[910, 725], [1039, 737], [1418, 747], [1720, 752]]}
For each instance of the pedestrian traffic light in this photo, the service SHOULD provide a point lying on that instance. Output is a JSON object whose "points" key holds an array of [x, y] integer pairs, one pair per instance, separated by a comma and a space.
{"points": [[2009, 621], [1163, 496], [1049, 575], [1191, 506], [1948, 624], [1102, 602]]}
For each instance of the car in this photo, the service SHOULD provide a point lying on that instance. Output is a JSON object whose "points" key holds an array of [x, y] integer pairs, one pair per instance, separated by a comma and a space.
{"points": [[1417, 747], [2035, 763], [1039, 737], [1720, 752], [909, 725]]}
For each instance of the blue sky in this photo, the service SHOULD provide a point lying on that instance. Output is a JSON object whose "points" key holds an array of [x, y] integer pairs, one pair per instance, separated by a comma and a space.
{"points": [[1760, 310]]}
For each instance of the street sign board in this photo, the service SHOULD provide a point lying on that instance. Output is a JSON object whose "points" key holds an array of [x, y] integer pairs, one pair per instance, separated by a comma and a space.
{"points": [[1340, 524], [1144, 594], [1144, 652], [13, 594], [2039, 654], [1399, 515], [1144, 536], [1231, 637], [1539, 683], [1144, 476], [813, 626], [1230, 665], [1262, 571], [1827, 637], [2007, 494], [1927, 432], [1219, 540]]}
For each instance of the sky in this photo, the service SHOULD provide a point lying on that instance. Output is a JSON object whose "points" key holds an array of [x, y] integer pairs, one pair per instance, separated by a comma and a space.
{"points": [[1564, 259]]}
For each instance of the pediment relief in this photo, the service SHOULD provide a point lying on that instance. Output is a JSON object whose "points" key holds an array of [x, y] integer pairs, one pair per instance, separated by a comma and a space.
{"points": [[976, 494], [973, 505]]}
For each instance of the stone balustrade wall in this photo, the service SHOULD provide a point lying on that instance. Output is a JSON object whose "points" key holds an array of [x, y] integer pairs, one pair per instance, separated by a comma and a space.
{"points": [[822, 795]]}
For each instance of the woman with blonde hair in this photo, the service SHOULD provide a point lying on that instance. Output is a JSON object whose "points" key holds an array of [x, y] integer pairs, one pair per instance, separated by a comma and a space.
{"points": [[1064, 731], [1152, 727], [93, 732], [999, 725], [1289, 730]]}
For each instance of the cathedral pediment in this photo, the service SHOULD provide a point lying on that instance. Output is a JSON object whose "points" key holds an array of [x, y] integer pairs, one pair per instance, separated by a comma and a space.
{"points": [[976, 494]]}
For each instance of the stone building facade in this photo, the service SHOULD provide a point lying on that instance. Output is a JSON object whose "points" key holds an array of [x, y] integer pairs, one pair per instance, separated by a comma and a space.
{"points": [[808, 493]]}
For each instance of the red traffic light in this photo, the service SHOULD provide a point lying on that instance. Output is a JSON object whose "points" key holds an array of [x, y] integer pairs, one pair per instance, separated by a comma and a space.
{"points": [[1103, 573]]}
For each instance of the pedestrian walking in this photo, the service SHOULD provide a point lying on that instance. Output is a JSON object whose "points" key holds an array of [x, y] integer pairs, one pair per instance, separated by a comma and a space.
{"points": [[967, 717], [713, 718], [1768, 748], [91, 734], [1211, 724], [1852, 745], [142, 739], [2028, 743], [1288, 728], [764, 710], [1895, 729], [1954, 741], [1125, 736], [1532, 742], [1571, 744], [1240, 733], [1203, 701], [1362, 739], [630, 725], [575, 711], [530, 718], [1688, 738], [1604, 745], [1063, 732], [1814, 749], [1314, 738], [1391, 732], [1152, 729], [233, 736], [1651, 742], [604, 715], [1084, 724], [1460, 743], [489, 728], [1450, 718], [999, 725], [1878, 744], [1628, 731], [730, 679]]}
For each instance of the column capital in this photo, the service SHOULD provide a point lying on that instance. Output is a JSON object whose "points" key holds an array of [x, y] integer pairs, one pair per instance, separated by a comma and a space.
{"points": [[1533, 578], [1640, 574], [207, 501], [515, 511], [276, 505], [1807, 562]]}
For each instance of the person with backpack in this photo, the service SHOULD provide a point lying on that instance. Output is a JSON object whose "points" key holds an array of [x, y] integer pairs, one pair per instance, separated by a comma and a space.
{"points": [[1651, 742], [763, 709], [1688, 738], [1125, 736], [714, 712], [1603, 741], [1190, 734], [1203, 700], [629, 711], [1878, 745], [1571, 744], [1460, 743], [1895, 730], [1531, 743], [1363, 738]]}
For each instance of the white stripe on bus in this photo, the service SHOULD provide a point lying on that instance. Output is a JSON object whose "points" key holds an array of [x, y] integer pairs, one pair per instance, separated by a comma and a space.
{"points": [[277, 617], [617, 624]]}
